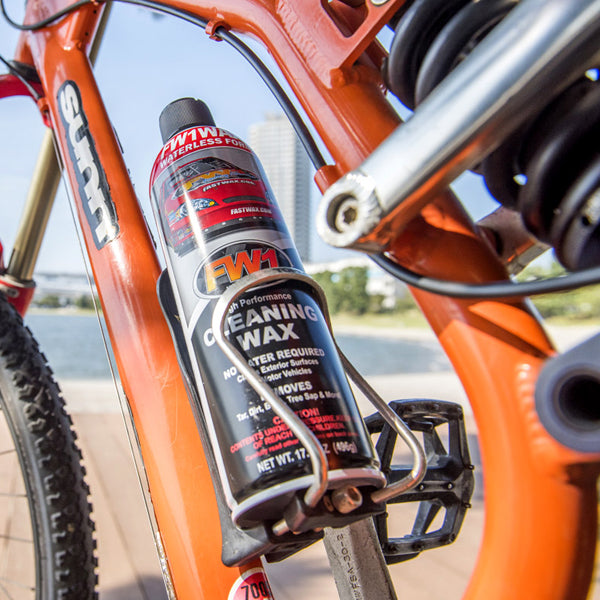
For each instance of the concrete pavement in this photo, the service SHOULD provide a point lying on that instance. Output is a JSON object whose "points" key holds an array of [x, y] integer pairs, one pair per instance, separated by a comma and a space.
{"points": [[129, 568]]}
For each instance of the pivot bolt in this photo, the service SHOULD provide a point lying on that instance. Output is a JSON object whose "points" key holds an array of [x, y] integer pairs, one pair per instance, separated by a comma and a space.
{"points": [[347, 214], [346, 499]]}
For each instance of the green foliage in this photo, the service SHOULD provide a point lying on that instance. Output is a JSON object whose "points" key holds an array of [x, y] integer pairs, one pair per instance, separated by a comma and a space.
{"points": [[49, 301], [84, 302], [353, 288], [81, 302], [574, 305], [376, 305], [582, 304], [346, 291], [405, 303], [325, 280]]}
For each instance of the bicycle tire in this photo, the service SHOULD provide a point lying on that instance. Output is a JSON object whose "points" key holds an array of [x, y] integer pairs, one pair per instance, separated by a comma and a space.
{"points": [[54, 491]]}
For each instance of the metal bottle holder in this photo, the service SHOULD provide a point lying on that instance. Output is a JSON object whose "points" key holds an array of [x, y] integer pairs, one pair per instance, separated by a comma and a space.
{"points": [[297, 520], [442, 480]]}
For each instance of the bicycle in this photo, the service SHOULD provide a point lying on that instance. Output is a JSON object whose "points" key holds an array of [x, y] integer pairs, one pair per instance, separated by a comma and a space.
{"points": [[535, 415]]}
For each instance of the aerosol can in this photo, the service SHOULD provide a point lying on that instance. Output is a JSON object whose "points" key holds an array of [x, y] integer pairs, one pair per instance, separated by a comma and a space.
{"points": [[218, 222]]}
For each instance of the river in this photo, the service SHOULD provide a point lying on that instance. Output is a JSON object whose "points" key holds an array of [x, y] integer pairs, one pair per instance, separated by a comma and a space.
{"points": [[74, 348]]}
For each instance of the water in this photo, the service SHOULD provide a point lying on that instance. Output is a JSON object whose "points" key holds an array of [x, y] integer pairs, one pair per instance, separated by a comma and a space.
{"points": [[386, 356], [74, 349], [72, 344]]}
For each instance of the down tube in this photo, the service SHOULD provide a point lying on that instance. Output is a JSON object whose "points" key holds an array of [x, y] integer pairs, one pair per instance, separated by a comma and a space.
{"points": [[539, 536], [125, 268]]}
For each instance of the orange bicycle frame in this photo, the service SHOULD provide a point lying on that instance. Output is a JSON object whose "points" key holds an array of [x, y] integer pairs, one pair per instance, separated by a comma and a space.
{"points": [[540, 529]]}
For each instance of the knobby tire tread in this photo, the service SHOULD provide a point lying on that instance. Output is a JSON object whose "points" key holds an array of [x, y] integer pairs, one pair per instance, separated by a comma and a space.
{"points": [[50, 464]]}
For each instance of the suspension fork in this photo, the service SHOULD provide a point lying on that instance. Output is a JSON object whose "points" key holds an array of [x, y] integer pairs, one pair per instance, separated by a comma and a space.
{"points": [[17, 280]]}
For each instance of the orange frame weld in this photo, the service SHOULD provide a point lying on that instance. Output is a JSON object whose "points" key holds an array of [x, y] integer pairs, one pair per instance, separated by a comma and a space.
{"points": [[540, 530]]}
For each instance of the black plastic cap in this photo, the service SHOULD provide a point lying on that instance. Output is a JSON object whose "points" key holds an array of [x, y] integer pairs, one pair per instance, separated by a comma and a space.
{"points": [[181, 114]]}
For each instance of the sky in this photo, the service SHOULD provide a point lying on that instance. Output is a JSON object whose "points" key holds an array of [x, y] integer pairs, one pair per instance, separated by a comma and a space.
{"points": [[145, 62]]}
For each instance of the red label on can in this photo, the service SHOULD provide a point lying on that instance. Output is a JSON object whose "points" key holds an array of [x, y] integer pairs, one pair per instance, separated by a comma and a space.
{"points": [[204, 191], [252, 585], [194, 139], [209, 194]]}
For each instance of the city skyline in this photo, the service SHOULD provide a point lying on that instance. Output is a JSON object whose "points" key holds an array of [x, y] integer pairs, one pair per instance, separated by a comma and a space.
{"points": [[288, 170]]}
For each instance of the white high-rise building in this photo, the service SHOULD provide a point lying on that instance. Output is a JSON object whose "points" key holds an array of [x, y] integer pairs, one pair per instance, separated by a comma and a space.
{"points": [[288, 169]]}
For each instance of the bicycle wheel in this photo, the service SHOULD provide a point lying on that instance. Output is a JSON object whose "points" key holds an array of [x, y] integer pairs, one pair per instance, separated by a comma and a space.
{"points": [[46, 533]]}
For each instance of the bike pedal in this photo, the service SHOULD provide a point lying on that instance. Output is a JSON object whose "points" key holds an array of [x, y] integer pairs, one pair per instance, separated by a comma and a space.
{"points": [[448, 483]]}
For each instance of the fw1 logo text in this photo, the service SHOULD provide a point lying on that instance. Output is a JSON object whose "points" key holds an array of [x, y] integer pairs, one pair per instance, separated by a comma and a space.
{"points": [[227, 265]]}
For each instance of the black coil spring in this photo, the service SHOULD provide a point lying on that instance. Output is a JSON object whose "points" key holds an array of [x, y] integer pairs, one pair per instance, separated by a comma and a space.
{"points": [[549, 170]]}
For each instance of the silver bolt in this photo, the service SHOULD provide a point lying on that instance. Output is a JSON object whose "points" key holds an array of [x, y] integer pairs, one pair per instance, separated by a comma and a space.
{"points": [[346, 214], [347, 499], [280, 528]]}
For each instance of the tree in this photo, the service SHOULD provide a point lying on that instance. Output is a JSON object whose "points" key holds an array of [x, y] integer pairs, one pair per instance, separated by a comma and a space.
{"points": [[328, 281], [84, 302], [346, 291], [49, 301], [353, 287]]}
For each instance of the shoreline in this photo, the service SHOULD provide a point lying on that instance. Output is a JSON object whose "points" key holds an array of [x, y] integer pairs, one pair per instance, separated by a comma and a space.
{"points": [[101, 395], [563, 336]]}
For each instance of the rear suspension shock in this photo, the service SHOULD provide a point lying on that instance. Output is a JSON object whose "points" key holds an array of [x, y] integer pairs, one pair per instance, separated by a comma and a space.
{"points": [[549, 169]]}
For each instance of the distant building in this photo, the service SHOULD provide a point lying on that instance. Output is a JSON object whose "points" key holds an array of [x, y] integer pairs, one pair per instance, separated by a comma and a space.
{"points": [[67, 285], [288, 169], [67, 288]]}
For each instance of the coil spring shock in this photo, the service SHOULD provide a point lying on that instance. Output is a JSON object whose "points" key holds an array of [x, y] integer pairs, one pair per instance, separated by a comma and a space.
{"points": [[549, 170]]}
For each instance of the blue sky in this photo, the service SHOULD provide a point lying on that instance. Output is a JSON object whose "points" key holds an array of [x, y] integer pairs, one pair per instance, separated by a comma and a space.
{"points": [[144, 63]]}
